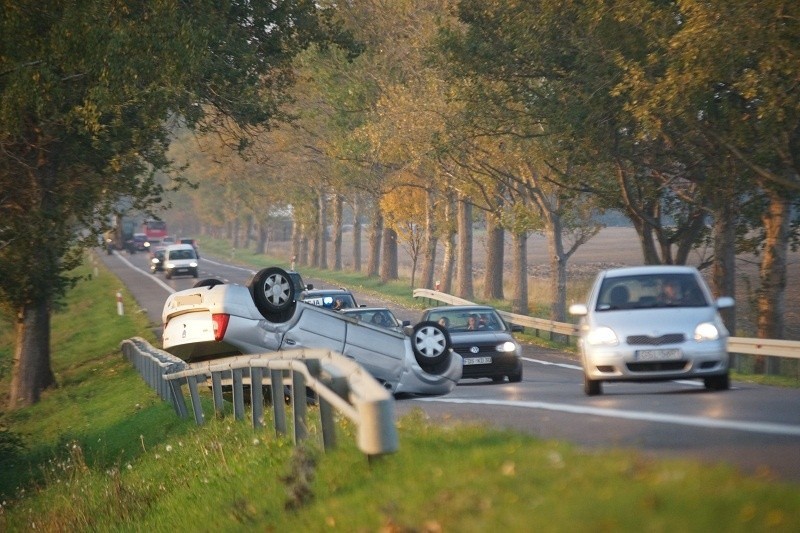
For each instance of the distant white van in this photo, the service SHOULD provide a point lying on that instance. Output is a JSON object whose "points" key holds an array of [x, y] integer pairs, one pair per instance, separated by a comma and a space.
{"points": [[180, 259]]}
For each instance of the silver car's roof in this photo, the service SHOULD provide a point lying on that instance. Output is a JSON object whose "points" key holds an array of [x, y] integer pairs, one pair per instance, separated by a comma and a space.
{"points": [[648, 269]]}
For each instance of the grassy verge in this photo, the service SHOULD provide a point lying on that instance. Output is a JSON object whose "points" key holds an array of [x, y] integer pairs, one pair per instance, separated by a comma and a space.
{"points": [[101, 452]]}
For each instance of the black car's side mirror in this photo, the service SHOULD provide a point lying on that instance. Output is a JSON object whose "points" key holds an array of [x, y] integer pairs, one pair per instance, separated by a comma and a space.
{"points": [[310, 287]]}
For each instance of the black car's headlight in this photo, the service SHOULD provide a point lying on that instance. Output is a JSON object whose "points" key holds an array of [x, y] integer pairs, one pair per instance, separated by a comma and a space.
{"points": [[506, 347]]}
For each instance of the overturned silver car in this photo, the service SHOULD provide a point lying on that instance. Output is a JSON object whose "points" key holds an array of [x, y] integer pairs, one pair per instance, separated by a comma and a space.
{"points": [[214, 319]]}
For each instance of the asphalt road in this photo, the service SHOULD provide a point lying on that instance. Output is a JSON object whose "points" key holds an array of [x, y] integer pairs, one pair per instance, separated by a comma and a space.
{"points": [[751, 427]]}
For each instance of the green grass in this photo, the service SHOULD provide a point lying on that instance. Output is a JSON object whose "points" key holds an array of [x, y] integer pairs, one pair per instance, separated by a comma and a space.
{"points": [[102, 452]]}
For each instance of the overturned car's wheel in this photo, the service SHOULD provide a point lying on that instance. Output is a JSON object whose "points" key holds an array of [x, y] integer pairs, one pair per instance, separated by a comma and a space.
{"points": [[431, 343], [273, 293], [209, 282]]}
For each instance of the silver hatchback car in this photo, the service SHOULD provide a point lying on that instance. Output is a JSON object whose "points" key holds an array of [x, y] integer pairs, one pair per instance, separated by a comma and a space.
{"points": [[652, 323], [215, 319]]}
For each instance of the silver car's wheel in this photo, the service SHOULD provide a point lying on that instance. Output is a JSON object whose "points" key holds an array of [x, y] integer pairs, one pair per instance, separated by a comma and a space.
{"points": [[273, 293], [431, 343], [722, 382]]}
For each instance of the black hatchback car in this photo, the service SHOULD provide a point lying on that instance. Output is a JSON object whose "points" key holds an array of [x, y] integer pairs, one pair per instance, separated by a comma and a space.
{"points": [[483, 339]]}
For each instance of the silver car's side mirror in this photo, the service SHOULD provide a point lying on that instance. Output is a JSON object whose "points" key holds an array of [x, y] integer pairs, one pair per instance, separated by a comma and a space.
{"points": [[578, 310], [723, 302]]}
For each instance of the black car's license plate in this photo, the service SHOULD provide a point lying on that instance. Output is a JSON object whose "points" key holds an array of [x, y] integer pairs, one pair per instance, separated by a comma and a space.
{"points": [[477, 360]]}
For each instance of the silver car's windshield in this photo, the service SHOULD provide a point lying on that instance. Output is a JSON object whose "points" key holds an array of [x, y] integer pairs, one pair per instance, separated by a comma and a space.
{"points": [[649, 291]]}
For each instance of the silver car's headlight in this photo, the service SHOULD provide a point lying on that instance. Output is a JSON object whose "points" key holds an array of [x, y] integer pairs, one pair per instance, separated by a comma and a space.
{"points": [[706, 332], [506, 347], [602, 336], [193, 264]]}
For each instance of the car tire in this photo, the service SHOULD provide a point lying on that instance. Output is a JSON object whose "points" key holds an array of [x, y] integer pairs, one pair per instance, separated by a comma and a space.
{"points": [[208, 282], [592, 387], [273, 293], [515, 378], [431, 344], [168, 274], [722, 382], [195, 274]]}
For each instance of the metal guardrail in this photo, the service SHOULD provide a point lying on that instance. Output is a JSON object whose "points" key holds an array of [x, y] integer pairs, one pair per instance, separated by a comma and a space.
{"points": [[736, 345], [339, 383]]}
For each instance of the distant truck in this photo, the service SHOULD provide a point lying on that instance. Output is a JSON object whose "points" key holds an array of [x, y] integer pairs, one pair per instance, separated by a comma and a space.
{"points": [[154, 229]]}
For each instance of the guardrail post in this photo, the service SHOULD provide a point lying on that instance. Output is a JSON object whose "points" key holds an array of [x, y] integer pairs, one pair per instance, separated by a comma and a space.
{"points": [[199, 417], [278, 411], [257, 396], [176, 395], [299, 406], [376, 432], [216, 389], [238, 394]]}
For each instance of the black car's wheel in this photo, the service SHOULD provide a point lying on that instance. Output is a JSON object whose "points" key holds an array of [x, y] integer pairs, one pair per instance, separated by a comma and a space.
{"points": [[431, 343], [722, 382], [592, 387], [515, 378], [208, 282], [273, 293]]}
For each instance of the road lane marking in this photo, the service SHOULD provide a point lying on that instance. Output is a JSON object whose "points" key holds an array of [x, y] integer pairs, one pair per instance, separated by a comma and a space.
{"points": [[148, 275], [226, 265], [578, 367], [548, 363], [696, 421]]}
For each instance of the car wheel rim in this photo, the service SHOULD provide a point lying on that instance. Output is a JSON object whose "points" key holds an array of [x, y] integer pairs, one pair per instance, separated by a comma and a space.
{"points": [[276, 289], [430, 342]]}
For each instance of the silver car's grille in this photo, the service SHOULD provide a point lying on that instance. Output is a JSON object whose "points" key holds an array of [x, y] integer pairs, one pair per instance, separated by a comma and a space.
{"points": [[646, 340], [657, 366]]}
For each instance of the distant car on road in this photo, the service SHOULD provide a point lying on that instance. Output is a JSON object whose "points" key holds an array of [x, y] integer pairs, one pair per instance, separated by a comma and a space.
{"points": [[192, 242], [180, 259], [215, 319], [157, 261], [652, 323], [336, 299], [482, 338], [377, 316]]}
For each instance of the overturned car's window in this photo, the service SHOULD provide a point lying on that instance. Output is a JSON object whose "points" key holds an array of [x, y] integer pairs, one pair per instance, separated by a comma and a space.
{"points": [[340, 301], [650, 291]]}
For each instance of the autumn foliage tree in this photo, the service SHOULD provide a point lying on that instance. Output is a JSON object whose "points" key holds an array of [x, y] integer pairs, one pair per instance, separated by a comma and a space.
{"points": [[89, 94]]}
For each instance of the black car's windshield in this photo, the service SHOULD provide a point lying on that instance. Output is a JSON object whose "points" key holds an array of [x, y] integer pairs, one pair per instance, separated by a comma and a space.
{"points": [[651, 290], [468, 320]]}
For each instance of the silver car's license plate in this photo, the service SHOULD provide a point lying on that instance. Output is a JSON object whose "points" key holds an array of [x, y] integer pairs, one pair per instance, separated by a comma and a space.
{"points": [[477, 360], [658, 355]]}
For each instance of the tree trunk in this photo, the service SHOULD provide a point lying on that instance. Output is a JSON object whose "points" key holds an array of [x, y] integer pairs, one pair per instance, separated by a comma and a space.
{"points": [[338, 208], [263, 238], [248, 231], [519, 266], [723, 274], [322, 233], [495, 249], [464, 287], [430, 241], [375, 235], [389, 255], [32, 373], [357, 234], [449, 259], [772, 273], [558, 273]]}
